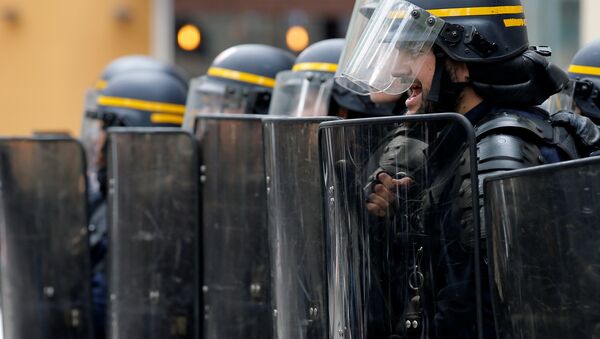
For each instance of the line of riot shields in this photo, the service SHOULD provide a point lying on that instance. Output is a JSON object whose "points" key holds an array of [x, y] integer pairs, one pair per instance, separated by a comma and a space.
{"points": [[264, 227]]}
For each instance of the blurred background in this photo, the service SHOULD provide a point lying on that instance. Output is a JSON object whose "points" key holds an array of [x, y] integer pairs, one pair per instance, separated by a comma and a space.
{"points": [[52, 51]]}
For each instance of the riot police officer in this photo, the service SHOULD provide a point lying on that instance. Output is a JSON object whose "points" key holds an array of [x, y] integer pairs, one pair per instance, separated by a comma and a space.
{"points": [[303, 98], [457, 63], [309, 90], [585, 69], [240, 80], [235, 275], [90, 128], [139, 92], [473, 58], [555, 230], [583, 98]]}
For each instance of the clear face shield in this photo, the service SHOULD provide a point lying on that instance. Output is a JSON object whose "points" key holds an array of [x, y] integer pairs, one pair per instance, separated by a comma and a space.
{"points": [[92, 134], [301, 94], [389, 52], [563, 100], [210, 96], [363, 10]]}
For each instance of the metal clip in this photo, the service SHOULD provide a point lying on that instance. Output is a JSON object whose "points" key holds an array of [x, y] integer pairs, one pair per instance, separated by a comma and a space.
{"points": [[477, 42], [542, 50], [416, 278]]}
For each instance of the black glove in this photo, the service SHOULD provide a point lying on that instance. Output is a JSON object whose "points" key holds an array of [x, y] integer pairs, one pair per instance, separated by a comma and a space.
{"points": [[584, 128]]}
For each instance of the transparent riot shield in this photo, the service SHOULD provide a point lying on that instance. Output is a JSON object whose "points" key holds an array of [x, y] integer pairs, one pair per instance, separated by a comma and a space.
{"points": [[296, 229], [401, 227], [237, 301], [45, 259], [153, 205], [543, 227]]}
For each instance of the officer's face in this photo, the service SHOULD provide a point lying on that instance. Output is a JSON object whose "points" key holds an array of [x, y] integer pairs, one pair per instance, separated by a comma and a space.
{"points": [[423, 78]]}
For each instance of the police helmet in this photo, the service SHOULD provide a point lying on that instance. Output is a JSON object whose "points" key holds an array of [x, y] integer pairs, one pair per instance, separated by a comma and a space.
{"points": [[479, 30], [126, 64], [490, 36], [142, 98], [585, 70], [309, 90], [240, 80], [138, 63]]}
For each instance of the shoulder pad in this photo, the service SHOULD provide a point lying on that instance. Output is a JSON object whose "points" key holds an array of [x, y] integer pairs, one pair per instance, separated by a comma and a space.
{"points": [[504, 152], [532, 125]]}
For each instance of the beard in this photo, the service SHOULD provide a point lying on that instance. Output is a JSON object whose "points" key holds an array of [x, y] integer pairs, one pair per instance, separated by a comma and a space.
{"points": [[449, 96], [449, 103]]}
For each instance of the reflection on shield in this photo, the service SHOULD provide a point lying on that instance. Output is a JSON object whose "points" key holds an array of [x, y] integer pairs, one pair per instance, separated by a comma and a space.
{"points": [[45, 260], [544, 229], [153, 230], [235, 239], [296, 230], [407, 269]]}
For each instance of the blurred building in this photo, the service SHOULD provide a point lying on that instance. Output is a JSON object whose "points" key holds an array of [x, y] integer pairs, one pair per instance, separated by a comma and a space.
{"points": [[289, 24], [561, 24], [52, 51], [555, 23]]}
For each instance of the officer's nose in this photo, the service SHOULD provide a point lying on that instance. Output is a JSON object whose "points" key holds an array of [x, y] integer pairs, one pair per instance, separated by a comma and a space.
{"points": [[401, 68]]}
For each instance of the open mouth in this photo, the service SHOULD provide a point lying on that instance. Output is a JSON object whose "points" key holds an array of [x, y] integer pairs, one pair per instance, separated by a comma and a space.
{"points": [[415, 90], [415, 94]]}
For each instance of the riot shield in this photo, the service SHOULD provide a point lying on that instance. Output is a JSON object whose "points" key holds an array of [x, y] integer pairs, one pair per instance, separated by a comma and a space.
{"points": [[236, 253], [400, 227], [296, 227], [45, 261], [543, 227], [153, 208]]}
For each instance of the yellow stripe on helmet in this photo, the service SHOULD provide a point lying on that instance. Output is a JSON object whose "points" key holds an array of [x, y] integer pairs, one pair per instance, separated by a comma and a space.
{"points": [[476, 11], [466, 11], [143, 105], [241, 76], [162, 118], [515, 23], [315, 67], [585, 70]]}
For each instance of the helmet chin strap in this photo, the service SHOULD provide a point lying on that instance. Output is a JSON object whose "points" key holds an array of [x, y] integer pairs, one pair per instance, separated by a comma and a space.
{"points": [[444, 93]]}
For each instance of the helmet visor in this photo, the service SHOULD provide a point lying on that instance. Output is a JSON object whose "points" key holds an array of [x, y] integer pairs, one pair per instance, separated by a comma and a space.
{"points": [[301, 94], [91, 128], [363, 11], [209, 96], [391, 50], [563, 100]]}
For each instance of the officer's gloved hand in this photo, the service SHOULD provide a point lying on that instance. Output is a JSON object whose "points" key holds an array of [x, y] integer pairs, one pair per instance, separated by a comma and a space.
{"points": [[584, 128], [402, 157], [382, 194]]}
